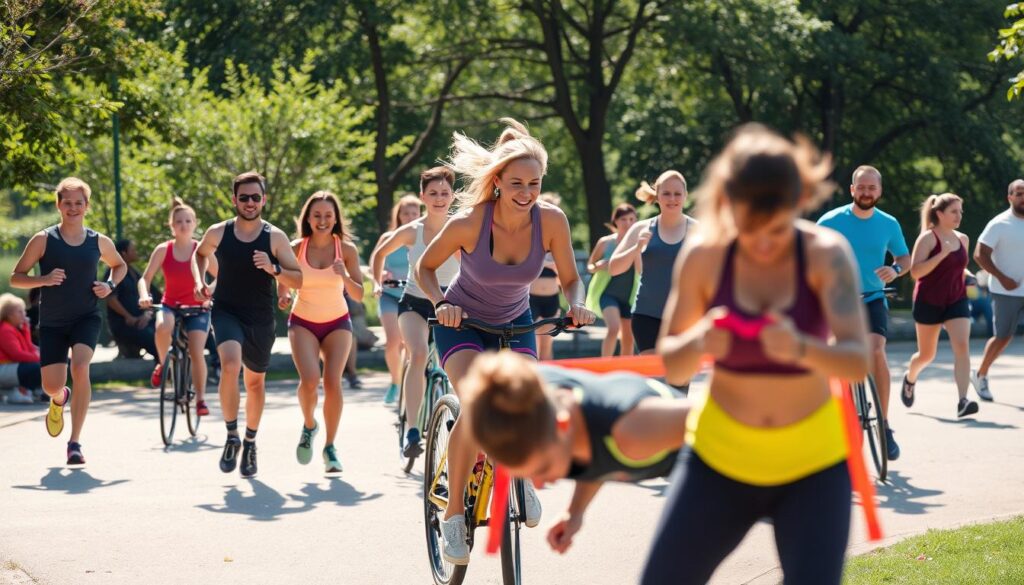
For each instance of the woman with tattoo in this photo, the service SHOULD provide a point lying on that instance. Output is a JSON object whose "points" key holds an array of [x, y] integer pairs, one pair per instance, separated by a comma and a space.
{"points": [[773, 300]]}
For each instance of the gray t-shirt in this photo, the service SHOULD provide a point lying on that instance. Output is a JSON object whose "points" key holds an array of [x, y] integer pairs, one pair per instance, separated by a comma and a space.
{"points": [[1005, 235]]}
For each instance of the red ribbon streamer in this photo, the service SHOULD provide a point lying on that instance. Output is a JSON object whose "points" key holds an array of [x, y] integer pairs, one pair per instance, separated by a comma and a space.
{"points": [[499, 508]]}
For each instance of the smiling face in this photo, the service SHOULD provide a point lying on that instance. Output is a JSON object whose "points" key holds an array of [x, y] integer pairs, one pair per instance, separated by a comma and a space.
{"points": [[671, 195], [437, 197], [322, 218], [950, 217], [249, 200], [762, 239], [520, 185], [183, 224], [866, 190], [73, 205]]}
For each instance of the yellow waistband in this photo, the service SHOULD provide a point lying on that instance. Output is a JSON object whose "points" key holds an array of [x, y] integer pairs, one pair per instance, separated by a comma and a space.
{"points": [[766, 456]]}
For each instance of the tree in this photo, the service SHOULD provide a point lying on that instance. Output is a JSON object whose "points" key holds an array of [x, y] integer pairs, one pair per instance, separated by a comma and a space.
{"points": [[1011, 45]]}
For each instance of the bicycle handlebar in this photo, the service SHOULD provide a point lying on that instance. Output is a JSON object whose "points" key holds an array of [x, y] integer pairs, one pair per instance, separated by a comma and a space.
{"points": [[184, 309], [394, 283], [888, 291], [559, 325]]}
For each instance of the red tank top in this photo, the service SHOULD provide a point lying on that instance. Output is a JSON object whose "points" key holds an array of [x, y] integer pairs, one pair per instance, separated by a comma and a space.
{"points": [[746, 355], [178, 277], [944, 285]]}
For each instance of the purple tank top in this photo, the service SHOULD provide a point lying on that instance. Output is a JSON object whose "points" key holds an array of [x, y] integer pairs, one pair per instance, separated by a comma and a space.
{"points": [[746, 355], [944, 285], [490, 291]]}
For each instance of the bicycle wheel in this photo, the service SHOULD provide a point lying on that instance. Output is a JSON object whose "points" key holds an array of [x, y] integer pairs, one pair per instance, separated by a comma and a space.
{"points": [[511, 553], [872, 421], [168, 398], [435, 490], [191, 416]]}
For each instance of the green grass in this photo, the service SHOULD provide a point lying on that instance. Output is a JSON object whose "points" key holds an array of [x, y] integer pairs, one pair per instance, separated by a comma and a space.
{"points": [[978, 554]]}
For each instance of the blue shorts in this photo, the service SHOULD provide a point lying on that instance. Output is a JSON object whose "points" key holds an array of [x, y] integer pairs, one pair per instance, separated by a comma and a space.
{"points": [[625, 307], [387, 304], [200, 322], [449, 341]]}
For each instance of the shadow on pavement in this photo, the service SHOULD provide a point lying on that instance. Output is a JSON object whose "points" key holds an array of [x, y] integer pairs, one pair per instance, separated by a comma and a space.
{"points": [[968, 422], [195, 444], [1008, 405], [899, 495], [267, 504], [71, 481]]}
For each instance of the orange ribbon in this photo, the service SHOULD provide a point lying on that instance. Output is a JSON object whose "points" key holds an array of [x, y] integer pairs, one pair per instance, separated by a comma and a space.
{"points": [[499, 509]]}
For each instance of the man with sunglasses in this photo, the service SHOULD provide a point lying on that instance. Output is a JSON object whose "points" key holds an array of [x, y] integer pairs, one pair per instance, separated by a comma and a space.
{"points": [[252, 254]]}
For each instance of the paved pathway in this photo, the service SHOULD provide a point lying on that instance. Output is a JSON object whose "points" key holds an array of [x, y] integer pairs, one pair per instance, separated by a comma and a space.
{"points": [[140, 513]]}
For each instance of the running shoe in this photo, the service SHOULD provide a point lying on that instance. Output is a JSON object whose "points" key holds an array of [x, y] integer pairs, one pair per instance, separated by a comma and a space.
{"points": [[202, 409], [304, 452], [907, 393], [453, 532], [531, 503], [55, 416], [980, 384], [75, 456], [353, 381], [248, 467], [331, 462], [229, 458], [966, 408], [413, 448], [19, 396], [391, 395], [154, 378], [892, 449]]}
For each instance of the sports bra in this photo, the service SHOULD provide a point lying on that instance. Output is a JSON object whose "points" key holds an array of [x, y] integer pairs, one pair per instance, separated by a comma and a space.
{"points": [[745, 354]]}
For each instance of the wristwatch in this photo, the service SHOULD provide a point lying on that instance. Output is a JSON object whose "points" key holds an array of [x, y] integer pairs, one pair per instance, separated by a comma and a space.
{"points": [[110, 283], [897, 269], [277, 269]]}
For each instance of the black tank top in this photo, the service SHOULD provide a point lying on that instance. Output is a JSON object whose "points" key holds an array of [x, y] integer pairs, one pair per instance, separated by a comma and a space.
{"points": [[73, 299], [603, 400], [242, 289]]}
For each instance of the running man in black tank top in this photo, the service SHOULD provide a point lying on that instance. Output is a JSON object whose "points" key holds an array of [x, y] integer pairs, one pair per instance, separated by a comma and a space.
{"points": [[68, 255], [251, 254]]}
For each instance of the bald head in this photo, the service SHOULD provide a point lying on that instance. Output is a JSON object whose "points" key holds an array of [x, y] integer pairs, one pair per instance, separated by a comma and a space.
{"points": [[1015, 186]]}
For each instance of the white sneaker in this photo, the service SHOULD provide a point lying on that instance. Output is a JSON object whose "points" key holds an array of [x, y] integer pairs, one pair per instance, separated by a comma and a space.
{"points": [[16, 396], [454, 548], [980, 384], [532, 504]]}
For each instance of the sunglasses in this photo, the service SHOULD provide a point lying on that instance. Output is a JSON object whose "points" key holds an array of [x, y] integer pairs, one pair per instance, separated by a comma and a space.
{"points": [[247, 198]]}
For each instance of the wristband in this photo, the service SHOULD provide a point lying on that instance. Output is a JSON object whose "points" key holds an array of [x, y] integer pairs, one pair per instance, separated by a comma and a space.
{"points": [[438, 304], [110, 283]]}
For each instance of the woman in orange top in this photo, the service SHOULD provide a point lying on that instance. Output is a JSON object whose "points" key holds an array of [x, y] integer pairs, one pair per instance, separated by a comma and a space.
{"points": [[319, 326]]}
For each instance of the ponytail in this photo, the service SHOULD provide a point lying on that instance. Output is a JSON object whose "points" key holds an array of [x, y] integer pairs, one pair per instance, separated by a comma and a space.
{"points": [[177, 205], [931, 207]]}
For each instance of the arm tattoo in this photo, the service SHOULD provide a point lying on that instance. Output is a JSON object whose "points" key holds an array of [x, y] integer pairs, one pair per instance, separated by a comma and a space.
{"points": [[843, 293]]}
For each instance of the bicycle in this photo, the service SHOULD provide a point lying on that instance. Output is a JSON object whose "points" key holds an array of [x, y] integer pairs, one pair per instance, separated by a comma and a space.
{"points": [[176, 393], [437, 385], [478, 490], [869, 412]]}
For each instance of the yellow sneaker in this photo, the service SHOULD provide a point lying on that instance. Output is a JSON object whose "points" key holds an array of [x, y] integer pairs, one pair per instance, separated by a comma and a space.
{"points": [[55, 416]]}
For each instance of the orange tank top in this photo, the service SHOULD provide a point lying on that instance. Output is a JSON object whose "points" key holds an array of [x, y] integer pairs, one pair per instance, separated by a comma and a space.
{"points": [[322, 296]]}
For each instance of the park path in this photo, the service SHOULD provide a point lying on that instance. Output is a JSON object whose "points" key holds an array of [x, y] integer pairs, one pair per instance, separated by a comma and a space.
{"points": [[138, 512]]}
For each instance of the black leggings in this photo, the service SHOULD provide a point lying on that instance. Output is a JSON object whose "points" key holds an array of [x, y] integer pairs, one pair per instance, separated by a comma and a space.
{"points": [[707, 515]]}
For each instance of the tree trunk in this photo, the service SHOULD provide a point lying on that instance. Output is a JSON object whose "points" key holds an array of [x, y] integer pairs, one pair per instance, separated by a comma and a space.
{"points": [[598, 191]]}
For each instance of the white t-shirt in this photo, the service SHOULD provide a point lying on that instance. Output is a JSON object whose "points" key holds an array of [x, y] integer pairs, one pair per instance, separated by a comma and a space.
{"points": [[1005, 235]]}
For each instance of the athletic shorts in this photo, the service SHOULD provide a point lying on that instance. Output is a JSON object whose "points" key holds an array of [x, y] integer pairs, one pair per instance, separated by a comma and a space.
{"points": [[321, 330], [414, 304], [387, 304], [645, 331], [450, 341], [878, 316], [55, 341], [625, 307], [927, 314], [199, 322], [257, 339], [1006, 310], [545, 306]]}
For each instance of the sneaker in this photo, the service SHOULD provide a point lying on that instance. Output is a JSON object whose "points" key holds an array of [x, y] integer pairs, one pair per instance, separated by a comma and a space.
{"points": [[202, 409], [19, 396], [391, 395], [304, 452], [55, 416], [331, 462], [229, 458], [213, 375], [966, 408], [532, 504], [413, 448], [892, 449], [248, 467], [157, 374], [75, 456], [353, 381], [453, 533], [980, 384], [907, 393]]}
